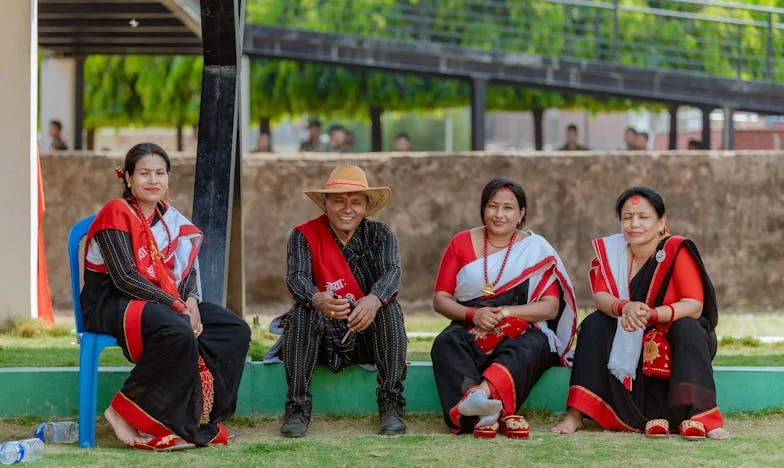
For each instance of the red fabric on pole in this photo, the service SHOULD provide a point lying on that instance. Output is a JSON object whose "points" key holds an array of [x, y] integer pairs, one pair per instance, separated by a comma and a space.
{"points": [[45, 312]]}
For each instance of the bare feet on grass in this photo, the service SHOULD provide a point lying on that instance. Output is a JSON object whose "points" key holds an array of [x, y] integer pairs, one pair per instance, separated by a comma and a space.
{"points": [[572, 423], [719, 434], [123, 429]]}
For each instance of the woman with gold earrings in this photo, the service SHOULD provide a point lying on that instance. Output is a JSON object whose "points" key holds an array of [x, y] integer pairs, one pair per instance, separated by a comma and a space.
{"points": [[643, 358]]}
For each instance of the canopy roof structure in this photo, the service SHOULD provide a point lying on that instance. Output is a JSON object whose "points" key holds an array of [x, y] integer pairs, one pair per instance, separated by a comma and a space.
{"points": [[84, 27]]}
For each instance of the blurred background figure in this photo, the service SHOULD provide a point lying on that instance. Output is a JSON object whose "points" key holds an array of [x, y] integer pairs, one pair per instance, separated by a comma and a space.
{"points": [[348, 144], [55, 132], [642, 141], [630, 137], [695, 145], [571, 140], [337, 139], [263, 142], [313, 143], [402, 142]]}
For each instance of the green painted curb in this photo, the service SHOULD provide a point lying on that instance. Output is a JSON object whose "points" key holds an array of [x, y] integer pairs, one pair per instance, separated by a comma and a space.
{"points": [[54, 392]]}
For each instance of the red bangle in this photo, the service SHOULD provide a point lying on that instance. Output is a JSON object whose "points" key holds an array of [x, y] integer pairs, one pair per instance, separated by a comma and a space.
{"points": [[469, 315], [654, 318], [672, 313], [619, 307]]}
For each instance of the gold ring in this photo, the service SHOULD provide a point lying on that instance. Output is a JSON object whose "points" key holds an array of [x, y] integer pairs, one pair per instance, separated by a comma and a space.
{"points": [[332, 313]]}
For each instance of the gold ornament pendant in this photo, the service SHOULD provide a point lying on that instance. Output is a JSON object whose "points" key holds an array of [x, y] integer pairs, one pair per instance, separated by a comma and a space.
{"points": [[488, 289]]}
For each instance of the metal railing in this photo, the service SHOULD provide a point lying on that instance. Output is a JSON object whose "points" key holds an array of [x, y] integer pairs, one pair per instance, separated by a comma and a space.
{"points": [[710, 37]]}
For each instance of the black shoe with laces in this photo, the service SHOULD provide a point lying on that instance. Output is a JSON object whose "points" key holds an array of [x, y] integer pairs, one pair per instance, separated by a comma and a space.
{"points": [[392, 422], [295, 421]]}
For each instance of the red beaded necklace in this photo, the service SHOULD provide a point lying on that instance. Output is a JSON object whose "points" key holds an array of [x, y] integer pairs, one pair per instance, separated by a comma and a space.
{"points": [[152, 245], [488, 285]]}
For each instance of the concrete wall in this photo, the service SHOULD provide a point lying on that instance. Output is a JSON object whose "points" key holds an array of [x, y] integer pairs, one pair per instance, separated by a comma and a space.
{"points": [[731, 204]]}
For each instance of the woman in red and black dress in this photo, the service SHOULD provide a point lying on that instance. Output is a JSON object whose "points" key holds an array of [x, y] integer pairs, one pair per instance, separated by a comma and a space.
{"points": [[141, 285], [513, 316], [652, 293]]}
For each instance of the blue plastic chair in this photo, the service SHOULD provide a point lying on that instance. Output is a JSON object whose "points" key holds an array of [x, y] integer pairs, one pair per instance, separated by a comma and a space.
{"points": [[91, 344]]}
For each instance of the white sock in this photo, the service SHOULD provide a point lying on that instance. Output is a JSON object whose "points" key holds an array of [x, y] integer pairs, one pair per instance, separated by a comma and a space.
{"points": [[489, 419], [477, 404]]}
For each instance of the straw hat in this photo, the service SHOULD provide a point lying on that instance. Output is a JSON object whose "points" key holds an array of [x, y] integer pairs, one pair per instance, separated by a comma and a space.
{"points": [[348, 178]]}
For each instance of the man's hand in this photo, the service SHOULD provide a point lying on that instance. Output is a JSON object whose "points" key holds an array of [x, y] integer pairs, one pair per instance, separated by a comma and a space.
{"points": [[486, 318], [364, 313], [331, 305], [193, 310]]}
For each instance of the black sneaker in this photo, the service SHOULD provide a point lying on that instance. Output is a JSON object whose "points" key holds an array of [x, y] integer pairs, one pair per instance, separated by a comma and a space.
{"points": [[295, 421], [392, 422]]}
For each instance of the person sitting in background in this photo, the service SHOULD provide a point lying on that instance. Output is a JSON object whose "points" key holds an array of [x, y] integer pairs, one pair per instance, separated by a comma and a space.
{"points": [[695, 145], [513, 315], [344, 275], [55, 133], [337, 139], [348, 143], [643, 358], [571, 140], [141, 286], [313, 143], [631, 137], [642, 141], [263, 142], [402, 142]]}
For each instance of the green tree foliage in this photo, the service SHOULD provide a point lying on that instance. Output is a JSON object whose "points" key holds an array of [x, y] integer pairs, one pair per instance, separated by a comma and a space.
{"points": [[124, 91]]}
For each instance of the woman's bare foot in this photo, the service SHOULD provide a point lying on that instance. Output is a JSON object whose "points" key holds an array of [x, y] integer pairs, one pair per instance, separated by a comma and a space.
{"points": [[123, 429], [719, 434], [572, 423]]}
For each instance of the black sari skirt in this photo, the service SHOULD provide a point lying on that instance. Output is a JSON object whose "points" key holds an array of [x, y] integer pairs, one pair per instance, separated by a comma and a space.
{"points": [[164, 395], [690, 392], [511, 369]]}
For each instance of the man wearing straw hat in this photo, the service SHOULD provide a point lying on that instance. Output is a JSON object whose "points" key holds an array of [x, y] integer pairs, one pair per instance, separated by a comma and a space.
{"points": [[344, 275]]}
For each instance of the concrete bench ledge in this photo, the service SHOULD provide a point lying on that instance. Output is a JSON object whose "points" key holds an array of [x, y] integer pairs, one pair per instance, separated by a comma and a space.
{"points": [[54, 392]]}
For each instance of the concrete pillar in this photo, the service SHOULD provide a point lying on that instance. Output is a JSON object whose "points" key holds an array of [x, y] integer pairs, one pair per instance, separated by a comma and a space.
{"points": [[58, 85], [728, 140], [18, 179]]}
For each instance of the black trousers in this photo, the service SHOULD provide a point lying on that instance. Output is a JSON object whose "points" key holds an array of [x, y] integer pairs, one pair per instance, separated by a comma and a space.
{"points": [[306, 342], [512, 369]]}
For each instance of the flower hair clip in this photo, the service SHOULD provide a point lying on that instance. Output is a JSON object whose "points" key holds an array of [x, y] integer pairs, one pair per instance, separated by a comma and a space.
{"points": [[119, 171]]}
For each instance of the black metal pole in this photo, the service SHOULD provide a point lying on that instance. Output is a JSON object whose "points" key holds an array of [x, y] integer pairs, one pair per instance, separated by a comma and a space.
{"points": [[673, 136], [218, 144], [706, 127], [478, 103], [78, 101], [376, 134]]}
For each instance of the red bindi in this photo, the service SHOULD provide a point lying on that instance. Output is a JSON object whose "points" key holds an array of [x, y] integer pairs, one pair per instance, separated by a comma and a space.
{"points": [[635, 200]]}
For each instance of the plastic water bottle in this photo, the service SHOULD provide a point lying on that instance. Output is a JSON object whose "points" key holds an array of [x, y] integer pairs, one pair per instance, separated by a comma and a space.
{"points": [[17, 451], [65, 432]]}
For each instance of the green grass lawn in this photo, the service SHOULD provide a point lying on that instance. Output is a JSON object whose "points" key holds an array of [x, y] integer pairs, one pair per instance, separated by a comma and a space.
{"points": [[350, 441], [29, 345]]}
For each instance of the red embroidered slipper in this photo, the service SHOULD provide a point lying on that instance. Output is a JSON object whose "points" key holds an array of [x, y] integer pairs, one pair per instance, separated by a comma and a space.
{"points": [[515, 427], [657, 428], [486, 432], [692, 430]]}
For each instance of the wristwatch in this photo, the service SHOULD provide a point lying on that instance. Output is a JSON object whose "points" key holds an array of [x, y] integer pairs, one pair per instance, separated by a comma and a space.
{"points": [[506, 312]]}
